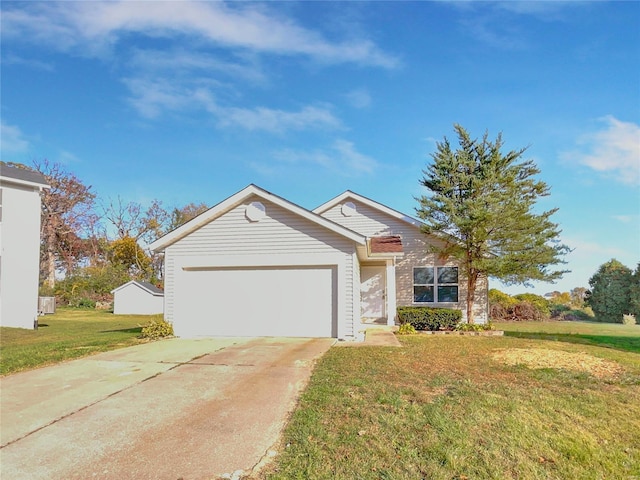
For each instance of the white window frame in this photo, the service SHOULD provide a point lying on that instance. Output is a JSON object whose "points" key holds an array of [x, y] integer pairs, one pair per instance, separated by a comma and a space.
{"points": [[435, 285]]}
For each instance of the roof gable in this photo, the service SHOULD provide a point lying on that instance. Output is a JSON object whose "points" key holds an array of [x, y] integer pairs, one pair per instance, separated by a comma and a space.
{"points": [[370, 203], [237, 199]]}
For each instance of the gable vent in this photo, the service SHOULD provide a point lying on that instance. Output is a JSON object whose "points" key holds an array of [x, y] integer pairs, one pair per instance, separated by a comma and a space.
{"points": [[255, 212], [348, 209]]}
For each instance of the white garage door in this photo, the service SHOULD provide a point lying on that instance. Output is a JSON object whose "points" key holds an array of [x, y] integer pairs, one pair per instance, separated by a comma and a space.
{"points": [[271, 301]]}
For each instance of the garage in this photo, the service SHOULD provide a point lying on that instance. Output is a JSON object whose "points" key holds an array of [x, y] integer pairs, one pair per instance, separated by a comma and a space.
{"points": [[293, 301]]}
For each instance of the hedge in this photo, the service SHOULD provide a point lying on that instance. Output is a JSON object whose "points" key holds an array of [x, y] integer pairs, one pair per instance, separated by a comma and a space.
{"points": [[428, 318]]}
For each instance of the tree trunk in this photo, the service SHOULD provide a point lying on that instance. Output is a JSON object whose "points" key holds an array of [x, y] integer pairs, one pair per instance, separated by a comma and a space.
{"points": [[472, 281], [51, 257]]}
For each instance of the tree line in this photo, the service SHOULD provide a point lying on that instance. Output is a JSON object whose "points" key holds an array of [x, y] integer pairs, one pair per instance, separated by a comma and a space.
{"points": [[89, 245]]}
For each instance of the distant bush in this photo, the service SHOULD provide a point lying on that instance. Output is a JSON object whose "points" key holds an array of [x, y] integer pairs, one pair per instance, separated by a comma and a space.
{"points": [[629, 319], [541, 304], [427, 318], [156, 329]]}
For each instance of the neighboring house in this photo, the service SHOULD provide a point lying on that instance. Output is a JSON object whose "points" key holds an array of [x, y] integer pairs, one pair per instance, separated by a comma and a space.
{"points": [[257, 264], [19, 245], [138, 298]]}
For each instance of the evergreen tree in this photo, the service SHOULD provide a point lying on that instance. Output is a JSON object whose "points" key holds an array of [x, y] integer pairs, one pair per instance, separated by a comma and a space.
{"points": [[610, 292], [483, 200], [634, 294]]}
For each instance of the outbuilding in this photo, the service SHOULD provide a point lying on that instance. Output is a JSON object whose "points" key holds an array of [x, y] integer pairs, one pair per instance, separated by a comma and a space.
{"points": [[138, 298], [20, 210]]}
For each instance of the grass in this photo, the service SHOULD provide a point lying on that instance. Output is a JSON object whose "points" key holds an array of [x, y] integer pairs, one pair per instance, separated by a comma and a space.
{"points": [[611, 335], [69, 333], [444, 408]]}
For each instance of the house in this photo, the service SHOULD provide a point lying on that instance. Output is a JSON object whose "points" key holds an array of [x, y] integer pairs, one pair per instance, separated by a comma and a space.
{"points": [[19, 245], [137, 298], [257, 264]]}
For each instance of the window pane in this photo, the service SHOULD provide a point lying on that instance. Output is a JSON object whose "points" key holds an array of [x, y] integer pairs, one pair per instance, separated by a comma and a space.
{"points": [[423, 276], [422, 294], [448, 275], [447, 294]]}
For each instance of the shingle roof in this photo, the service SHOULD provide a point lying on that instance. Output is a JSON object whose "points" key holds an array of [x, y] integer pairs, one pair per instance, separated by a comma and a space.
{"points": [[150, 286], [22, 174], [386, 244]]}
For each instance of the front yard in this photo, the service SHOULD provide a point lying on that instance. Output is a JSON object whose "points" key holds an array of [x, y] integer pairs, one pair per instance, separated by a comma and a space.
{"points": [[450, 407], [69, 333]]}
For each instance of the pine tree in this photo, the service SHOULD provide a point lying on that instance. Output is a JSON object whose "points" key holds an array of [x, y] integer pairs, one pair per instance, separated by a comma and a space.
{"points": [[483, 201]]}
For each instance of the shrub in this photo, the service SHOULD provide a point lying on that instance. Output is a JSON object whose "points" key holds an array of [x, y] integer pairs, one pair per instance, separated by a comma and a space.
{"points": [[475, 327], [541, 304], [406, 329], [427, 318], [629, 319], [156, 329]]}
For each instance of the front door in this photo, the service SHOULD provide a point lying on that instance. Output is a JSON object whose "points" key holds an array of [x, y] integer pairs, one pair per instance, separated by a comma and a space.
{"points": [[372, 291]]}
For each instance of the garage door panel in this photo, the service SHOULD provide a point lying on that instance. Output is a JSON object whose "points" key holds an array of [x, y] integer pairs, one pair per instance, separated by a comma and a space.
{"points": [[278, 301]]}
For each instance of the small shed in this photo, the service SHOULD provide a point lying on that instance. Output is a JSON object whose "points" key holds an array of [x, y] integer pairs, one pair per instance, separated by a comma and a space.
{"points": [[138, 298]]}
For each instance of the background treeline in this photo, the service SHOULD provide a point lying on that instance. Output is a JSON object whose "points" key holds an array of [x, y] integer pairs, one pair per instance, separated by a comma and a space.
{"points": [[91, 245], [613, 296]]}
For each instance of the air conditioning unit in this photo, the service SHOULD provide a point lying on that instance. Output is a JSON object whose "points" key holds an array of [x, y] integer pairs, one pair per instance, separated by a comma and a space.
{"points": [[46, 305]]}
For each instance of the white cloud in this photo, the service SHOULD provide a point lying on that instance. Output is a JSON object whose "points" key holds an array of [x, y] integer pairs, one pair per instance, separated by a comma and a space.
{"points": [[11, 59], [150, 97], [188, 63], [94, 27], [359, 98], [614, 150], [12, 139], [153, 96], [627, 218], [272, 120], [342, 158]]}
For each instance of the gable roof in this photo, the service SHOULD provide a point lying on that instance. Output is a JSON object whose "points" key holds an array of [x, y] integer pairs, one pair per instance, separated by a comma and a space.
{"points": [[149, 287], [371, 203], [23, 176], [237, 199]]}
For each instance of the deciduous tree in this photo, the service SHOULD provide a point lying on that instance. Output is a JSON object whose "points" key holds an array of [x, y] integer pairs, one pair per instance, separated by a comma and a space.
{"points": [[483, 201]]}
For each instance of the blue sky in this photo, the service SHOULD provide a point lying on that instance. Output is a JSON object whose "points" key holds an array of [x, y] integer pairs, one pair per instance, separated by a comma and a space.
{"points": [[192, 101]]}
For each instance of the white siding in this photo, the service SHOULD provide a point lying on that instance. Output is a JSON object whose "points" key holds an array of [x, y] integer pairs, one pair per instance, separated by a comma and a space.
{"points": [[19, 255], [372, 222], [135, 300], [281, 236]]}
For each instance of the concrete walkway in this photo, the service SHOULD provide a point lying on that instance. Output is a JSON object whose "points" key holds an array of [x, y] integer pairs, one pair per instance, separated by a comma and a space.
{"points": [[190, 409], [376, 336]]}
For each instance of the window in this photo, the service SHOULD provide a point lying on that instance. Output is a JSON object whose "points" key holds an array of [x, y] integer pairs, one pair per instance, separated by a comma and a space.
{"points": [[435, 284]]}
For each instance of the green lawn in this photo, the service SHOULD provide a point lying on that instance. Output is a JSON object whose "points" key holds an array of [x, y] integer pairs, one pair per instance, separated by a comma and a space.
{"points": [[69, 333], [443, 407], [612, 335]]}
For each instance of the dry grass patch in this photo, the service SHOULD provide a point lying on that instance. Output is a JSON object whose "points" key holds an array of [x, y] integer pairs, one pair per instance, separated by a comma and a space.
{"points": [[538, 358]]}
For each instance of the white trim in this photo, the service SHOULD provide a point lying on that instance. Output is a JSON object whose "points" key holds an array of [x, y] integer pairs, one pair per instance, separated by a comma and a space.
{"points": [[371, 203], [27, 183], [391, 292], [235, 200]]}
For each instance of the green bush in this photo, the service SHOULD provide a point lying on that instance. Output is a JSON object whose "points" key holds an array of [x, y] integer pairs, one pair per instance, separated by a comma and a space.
{"points": [[427, 318], [475, 327], [156, 329], [406, 329]]}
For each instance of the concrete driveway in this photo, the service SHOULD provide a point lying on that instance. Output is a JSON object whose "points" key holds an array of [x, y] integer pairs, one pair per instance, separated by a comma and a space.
{"points": [[175, 409]]}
